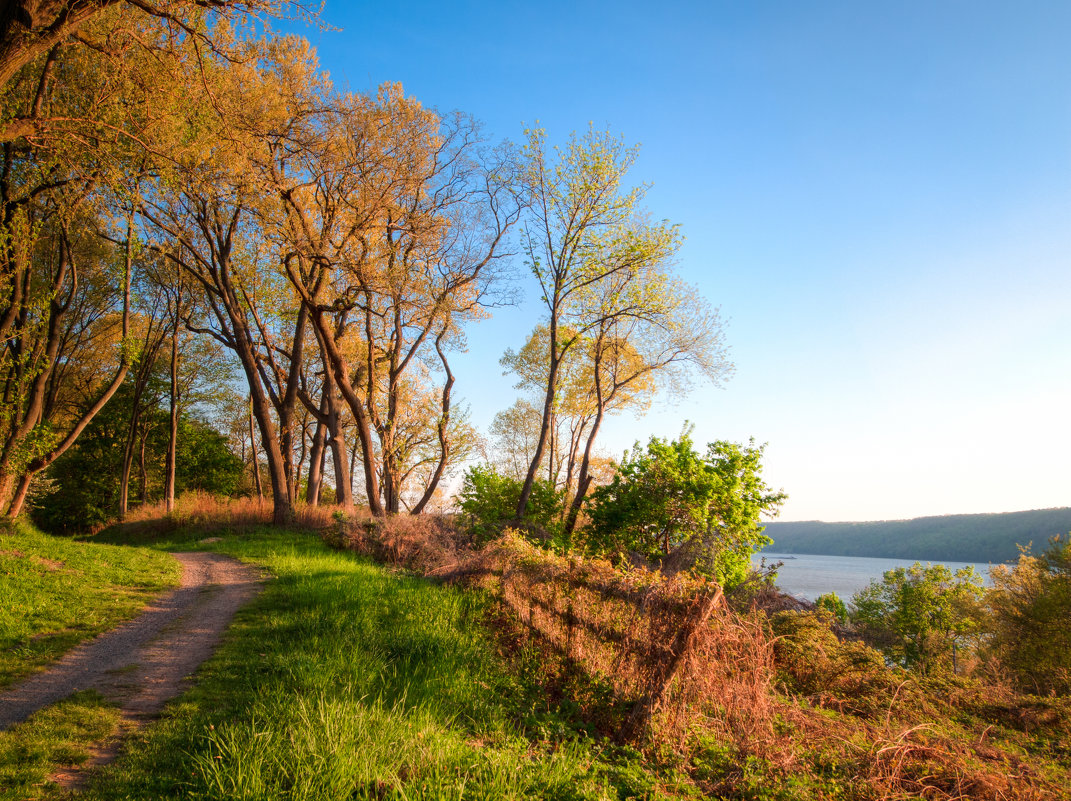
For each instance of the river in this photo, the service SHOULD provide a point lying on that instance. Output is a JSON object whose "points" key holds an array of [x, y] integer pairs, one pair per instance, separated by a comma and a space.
{"points": [[810, 575]]}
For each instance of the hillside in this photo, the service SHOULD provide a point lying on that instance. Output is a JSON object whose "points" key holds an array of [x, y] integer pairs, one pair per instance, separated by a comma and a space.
{"points": [[960, 538]]}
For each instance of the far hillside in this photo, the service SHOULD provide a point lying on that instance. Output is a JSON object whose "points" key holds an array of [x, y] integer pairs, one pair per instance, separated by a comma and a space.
{"points": [[958, 538]]}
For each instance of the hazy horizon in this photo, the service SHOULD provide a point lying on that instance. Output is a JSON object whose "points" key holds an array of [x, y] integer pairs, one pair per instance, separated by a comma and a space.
{"points": [[782, 519]]}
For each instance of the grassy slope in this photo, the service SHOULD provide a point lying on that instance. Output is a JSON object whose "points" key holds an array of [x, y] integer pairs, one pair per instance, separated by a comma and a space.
{"points": [[958, 538], [349, 680], [55, 592], [346, 680]]}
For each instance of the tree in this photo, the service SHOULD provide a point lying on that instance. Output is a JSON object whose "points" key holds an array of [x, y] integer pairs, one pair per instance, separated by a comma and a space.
{"points": [[921, 617], [392, 220], [202, 217], [604, 276], [92, 94], [1029, 608], [33, 33], [514, 432], [54, 279], [517, 429], [684, 510]]}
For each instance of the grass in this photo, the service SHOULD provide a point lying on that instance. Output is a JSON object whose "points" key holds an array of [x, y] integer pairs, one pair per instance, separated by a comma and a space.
{"points": [[348, 680], [58, 735], [345, 679], [56, 592]]}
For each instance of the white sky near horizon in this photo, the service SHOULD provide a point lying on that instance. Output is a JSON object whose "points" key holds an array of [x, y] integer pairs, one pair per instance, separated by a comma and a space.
{"points": [[877, 197]]}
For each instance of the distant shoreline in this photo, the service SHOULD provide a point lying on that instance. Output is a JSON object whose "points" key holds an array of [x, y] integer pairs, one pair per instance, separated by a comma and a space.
{"points": [[975, 538]]}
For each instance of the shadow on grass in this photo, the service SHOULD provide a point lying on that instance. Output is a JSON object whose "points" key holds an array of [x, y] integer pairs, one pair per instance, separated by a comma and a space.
{"points": [[346, 680]]}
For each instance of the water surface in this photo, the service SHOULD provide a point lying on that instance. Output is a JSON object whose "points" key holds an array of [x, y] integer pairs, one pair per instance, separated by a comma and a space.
{"points": [[810, 575]]}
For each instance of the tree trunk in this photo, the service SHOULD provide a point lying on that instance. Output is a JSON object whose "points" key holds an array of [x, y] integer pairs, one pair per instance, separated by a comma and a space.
{"points": [[443, 430], [173, 419], [353, 470], [583, 480], [128, 460], [360, 414], [548, 416], [343, 462], [253, 452], [316, 465], [144, 470], [19, 498]]}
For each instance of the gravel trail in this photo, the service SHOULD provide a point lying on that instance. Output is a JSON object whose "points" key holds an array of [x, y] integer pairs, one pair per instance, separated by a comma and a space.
{"points": [[144, 663]]}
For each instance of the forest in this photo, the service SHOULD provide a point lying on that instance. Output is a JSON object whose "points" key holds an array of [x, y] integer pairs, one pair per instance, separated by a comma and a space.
{"points": [[956, 538], [232, 297], [202, 235]]}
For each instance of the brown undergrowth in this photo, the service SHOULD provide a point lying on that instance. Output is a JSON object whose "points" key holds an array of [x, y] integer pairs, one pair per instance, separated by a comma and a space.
{"points": [[791, 704], [664, 645], [204, 511], [895, 734]]}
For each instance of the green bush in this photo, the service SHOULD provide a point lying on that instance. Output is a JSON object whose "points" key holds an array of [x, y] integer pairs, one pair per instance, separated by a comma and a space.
{"points": [[921, 617], [1030, 616], [832, 603], [679, 508], [488, 502]]}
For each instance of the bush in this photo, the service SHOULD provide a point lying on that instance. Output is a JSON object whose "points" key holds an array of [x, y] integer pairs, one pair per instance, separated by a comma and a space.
{"points": [[684, 510], [832, 603], [848, 676], [488, 502], [920, 617], [1030, 611]]}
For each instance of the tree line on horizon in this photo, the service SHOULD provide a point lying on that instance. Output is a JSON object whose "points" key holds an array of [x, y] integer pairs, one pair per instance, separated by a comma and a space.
{"points": [[958, 538]]}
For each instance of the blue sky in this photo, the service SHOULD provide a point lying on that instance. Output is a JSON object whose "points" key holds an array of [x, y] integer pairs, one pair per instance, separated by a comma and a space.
{"points": [[877, 196]]}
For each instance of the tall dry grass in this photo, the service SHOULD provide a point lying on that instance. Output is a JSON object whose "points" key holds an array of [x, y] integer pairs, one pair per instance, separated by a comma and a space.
{"points": [[204, 511]]}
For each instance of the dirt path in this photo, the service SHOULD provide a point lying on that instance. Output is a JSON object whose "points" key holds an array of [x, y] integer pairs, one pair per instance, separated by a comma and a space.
{"points": [[144, 663]]}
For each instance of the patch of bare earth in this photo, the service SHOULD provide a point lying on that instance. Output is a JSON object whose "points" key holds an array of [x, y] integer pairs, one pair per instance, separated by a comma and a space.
{"points": [[143, 664], [48, 564]]}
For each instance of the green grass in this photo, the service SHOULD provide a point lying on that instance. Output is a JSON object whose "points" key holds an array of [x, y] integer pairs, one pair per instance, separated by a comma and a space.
{"points": [[347, 680], [56, 592], [57, 735]]}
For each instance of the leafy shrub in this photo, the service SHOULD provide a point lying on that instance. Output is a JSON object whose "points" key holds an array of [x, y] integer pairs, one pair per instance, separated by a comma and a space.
{"points": [[681, 509], [921, 617], [832, 603], [1030, 616], [488, 502], [848, 676]]}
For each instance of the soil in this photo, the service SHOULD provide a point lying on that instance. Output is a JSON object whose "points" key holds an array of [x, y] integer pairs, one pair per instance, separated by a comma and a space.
{"points": [[143, 664]]}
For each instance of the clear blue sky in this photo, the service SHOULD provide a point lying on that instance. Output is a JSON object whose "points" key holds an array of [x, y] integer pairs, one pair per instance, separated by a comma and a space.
{"points": [[878, 197]]}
